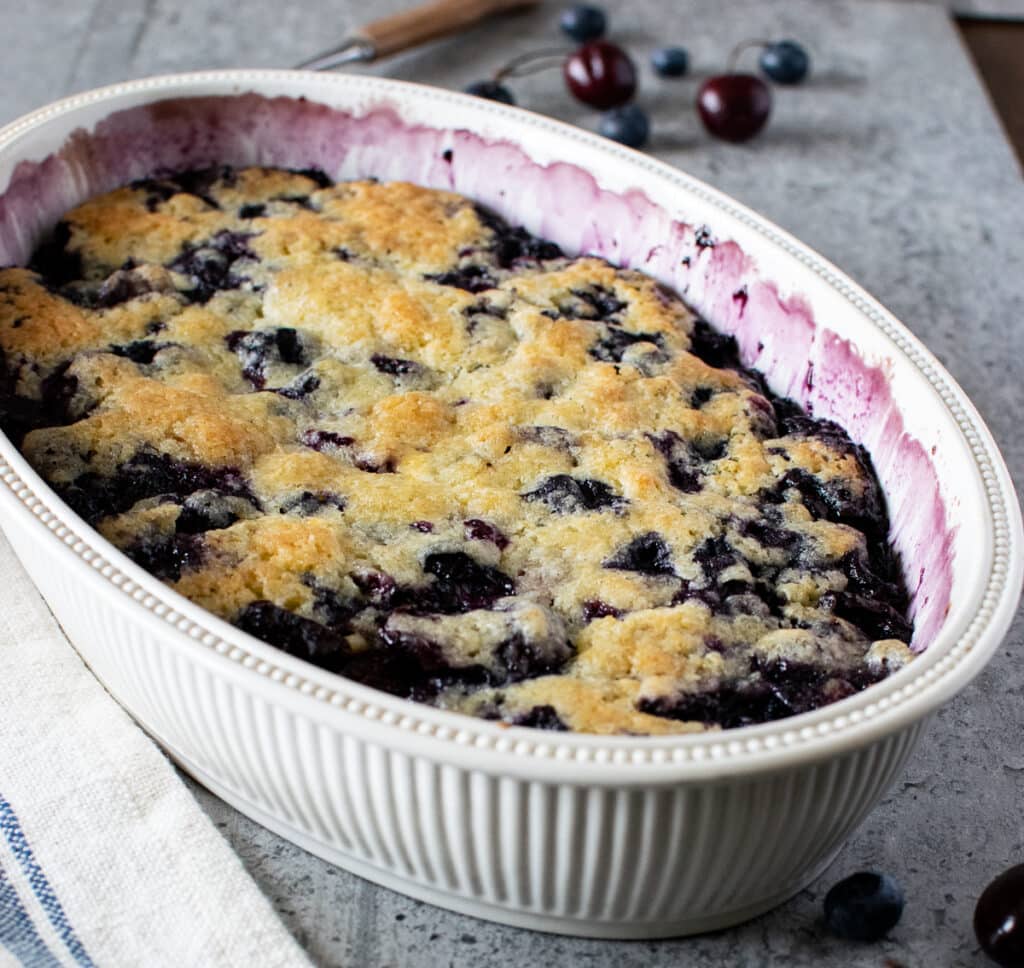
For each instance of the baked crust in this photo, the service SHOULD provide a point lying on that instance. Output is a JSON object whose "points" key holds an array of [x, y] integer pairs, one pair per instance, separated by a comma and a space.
{"points": [[384, 431]]}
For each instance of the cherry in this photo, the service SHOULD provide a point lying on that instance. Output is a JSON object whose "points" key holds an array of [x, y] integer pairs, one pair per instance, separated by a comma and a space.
{"points": [[600, 74], [734, 107], [999, 918]]}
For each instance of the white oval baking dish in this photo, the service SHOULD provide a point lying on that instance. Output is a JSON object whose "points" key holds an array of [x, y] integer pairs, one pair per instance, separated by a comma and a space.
{"points": [[620, 837]]}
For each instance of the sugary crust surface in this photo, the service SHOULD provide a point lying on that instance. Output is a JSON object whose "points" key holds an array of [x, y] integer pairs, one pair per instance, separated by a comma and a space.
{"points": [[384, 431]]}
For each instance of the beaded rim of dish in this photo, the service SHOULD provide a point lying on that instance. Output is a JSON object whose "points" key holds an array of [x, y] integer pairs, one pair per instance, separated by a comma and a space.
{"points": [[405, 715]]}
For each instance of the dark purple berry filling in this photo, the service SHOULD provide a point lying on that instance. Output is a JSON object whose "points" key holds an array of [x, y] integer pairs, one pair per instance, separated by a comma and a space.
{"points": [[259, 348], [646, 553], [298, 636], [572, 495], [477, 530], [210, 265], [541, 717]]}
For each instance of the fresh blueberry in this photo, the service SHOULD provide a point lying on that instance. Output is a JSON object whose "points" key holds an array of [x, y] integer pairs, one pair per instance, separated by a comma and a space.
{"points": [[583, 22], [627, 125], [785, 62], [999, 918], [491, 91], [864, 906], [670, 61]]}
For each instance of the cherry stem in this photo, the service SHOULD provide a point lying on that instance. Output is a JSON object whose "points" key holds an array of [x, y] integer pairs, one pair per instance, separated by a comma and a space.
{"points": [[734, 56], [530, 63]]}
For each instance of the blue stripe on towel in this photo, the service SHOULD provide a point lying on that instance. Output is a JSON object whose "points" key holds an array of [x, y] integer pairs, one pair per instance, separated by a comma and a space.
{"points": [[11, 829], [17, 932]]}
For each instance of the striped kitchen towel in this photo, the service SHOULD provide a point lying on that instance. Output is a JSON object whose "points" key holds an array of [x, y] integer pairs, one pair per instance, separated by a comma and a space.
{"points": [[105, 857]]}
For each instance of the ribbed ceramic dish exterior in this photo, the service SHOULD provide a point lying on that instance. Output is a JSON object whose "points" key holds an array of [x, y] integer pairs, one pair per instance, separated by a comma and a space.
{"points": [[619, 837]]}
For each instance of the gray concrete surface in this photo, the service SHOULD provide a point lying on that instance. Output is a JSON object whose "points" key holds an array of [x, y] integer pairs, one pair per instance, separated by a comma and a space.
{"points": [[891, 163]]}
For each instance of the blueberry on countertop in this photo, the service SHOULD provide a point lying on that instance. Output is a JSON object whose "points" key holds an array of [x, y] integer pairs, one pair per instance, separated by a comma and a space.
{"points": [[627, 125], [491, 91], [670, 61], [785, 62], [583, 22], [864, 906]]}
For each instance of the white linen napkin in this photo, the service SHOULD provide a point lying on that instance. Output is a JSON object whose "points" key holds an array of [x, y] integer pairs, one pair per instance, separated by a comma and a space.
{"points": [[105, 857]]}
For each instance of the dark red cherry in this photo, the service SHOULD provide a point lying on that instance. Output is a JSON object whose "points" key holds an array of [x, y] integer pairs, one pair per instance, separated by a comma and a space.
{"points": [[999, 918], [600, 74], [734, 107]]}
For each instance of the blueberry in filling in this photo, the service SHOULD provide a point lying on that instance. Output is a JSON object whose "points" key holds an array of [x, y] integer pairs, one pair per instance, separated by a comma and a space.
{"points": [[198, 182], [684, 460], [252, 211], [320, 440], [207, 510], [541, 717], [302, 386], [142, 351], [291, 633], [611, 347], [461, 584], [210, 265], [54, 261], [597, 303], [471, 278], [716, 349], [167, 557], [147, 474], [20, 415], [395, 367], [312, 502], [595, 608], [714, 555], [477, 530], [570, 495], [259, 348], [514, 246], [647, 554]]}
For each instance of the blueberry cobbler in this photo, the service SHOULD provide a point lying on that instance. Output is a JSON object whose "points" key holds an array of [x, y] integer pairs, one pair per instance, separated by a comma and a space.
{"points": [[384, 431]]}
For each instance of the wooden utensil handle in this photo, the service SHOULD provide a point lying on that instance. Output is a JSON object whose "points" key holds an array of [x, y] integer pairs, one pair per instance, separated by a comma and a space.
{"points": [[430, 21]]}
